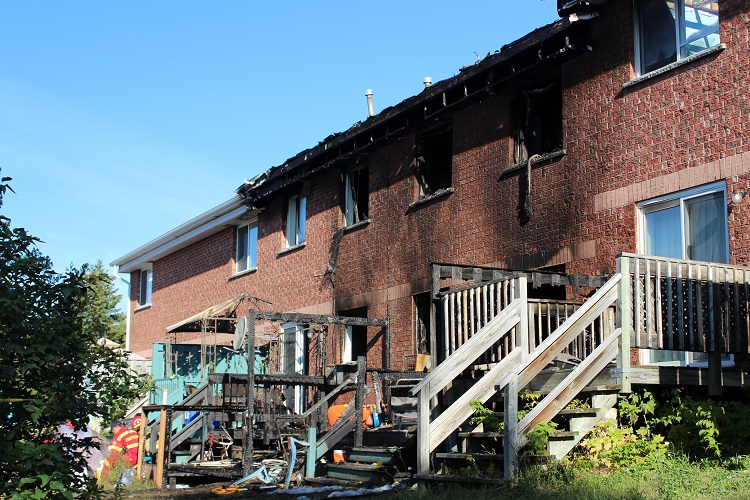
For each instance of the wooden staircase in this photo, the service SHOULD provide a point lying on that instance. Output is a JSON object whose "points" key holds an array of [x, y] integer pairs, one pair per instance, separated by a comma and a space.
{"points": [[517, 358]]}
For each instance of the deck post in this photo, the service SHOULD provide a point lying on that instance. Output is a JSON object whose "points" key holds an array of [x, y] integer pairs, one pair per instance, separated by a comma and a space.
{"points": [[312, 451], [624, 321], [359, 398], [423, 430], [247, 452], [510, 430], [523, 325]]}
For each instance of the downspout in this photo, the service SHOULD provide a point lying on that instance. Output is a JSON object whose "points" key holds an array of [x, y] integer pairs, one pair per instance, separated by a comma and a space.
{"points": [[115, 272]]}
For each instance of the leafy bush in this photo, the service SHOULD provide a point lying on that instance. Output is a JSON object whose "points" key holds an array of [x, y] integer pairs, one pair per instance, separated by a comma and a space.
{"points": [[52, 371]]}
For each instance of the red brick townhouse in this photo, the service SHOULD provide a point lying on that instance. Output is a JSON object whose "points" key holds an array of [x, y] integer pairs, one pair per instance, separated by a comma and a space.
{"points": [[622, 127]]}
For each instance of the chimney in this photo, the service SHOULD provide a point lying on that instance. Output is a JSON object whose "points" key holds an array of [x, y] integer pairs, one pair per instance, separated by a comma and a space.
{"points": [[427, 82]]}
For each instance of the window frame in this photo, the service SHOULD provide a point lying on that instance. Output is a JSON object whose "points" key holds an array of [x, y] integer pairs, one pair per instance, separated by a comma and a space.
{"points": [[296, 220], [355, 207], [146, 287], [433, 172], [681, 199], [536, 105], [680, 43], [247, 234]]}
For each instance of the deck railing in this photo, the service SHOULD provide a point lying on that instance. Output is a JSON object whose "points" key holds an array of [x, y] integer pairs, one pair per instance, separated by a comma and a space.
{"points": [[467, 310], [687, 305]]}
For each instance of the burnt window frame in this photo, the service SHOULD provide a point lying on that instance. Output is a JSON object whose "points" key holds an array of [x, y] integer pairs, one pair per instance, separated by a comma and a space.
{"points": [[355, 195], [434, 162], [538, 125]]}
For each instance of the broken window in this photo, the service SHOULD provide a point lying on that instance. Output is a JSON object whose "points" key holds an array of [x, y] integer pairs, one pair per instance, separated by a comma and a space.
{"points": [[538, 122], [247, 247], [434, 162], [422, 323], [296, 213], [147, 280], [671, 30], [356, 194]]}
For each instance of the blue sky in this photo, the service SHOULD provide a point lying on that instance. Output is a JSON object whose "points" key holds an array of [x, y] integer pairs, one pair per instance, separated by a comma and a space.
{"points": [[121, 120]]}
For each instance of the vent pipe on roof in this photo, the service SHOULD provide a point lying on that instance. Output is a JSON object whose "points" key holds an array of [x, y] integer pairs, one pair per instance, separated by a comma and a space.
{"points": [[427, 82], [370, 110]]}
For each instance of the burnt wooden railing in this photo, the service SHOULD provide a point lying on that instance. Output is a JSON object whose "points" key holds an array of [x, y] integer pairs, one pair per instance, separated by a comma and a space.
{"points": [[685, 305]]}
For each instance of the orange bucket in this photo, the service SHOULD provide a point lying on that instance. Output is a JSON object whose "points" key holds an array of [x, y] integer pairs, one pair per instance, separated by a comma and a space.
{"points": [[338, 456]]}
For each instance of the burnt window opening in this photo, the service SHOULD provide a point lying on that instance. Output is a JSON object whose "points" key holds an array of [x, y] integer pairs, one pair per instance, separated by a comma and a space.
{"points": [[354, 341], [539, 128], [422, 323], [356, 196], [434, 162]]}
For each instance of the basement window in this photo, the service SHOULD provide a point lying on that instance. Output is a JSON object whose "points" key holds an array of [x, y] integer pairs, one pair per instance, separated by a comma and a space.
{"points": [[355, 196], [296, 213], [669, 31], [538, 128], [434, 163]]}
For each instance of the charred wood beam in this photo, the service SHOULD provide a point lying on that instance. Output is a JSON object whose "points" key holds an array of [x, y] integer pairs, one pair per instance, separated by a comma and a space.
{"points": [[317, 319]]}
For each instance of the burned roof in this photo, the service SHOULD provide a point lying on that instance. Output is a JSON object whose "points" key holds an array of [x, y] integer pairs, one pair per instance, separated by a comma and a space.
{"points": [[555, 42]]}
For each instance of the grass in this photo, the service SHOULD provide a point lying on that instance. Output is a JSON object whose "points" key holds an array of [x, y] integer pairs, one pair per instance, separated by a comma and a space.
{"points": [[674, 478]]}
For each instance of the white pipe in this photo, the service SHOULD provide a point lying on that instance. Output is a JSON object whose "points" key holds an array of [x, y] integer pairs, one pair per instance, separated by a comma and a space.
{"points": [[370, 109], [427, 82], [115, 272]]}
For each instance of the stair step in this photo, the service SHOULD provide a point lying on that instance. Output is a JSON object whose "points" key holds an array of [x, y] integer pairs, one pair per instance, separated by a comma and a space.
{"points": [[354, 472], [384, 455], [445, 478], [474, 434], [563, 435], [580, 412], [464, 456]]}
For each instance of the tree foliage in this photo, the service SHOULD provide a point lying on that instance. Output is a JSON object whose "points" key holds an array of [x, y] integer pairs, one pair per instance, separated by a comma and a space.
{"points": [[102, 316], [52, 369]]}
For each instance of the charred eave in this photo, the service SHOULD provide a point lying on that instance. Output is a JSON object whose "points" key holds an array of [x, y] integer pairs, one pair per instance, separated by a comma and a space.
{"points": [[536, 55]]}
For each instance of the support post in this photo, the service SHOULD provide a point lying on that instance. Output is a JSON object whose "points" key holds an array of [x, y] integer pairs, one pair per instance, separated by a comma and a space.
{"points": [[247, 452], [312, 451], [423, 430], [359, 398], [510, 430], [624, 321], [141, 439], [523, 325], [159, 475]]}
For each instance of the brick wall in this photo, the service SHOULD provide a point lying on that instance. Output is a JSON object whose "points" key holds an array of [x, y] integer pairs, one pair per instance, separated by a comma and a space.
{"points": [[684, 128]]}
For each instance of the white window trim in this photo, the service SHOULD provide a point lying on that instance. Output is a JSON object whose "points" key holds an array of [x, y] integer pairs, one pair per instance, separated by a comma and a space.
{"points": [[250, 248], [297, 405], [296, 221], [149, 271], [640, 75], [647, 206]]}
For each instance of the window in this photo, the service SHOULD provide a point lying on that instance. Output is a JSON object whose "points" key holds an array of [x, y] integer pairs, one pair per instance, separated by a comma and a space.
{"points": [[247, 247], [295, 220], [538, 122], [688, 225], [434, 162], [671, 30], [147, 279], [356, 194]]}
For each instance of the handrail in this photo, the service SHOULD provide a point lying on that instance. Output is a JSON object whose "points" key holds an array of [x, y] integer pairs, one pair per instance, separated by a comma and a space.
{"points": [[545, 352], [446, 371]]}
